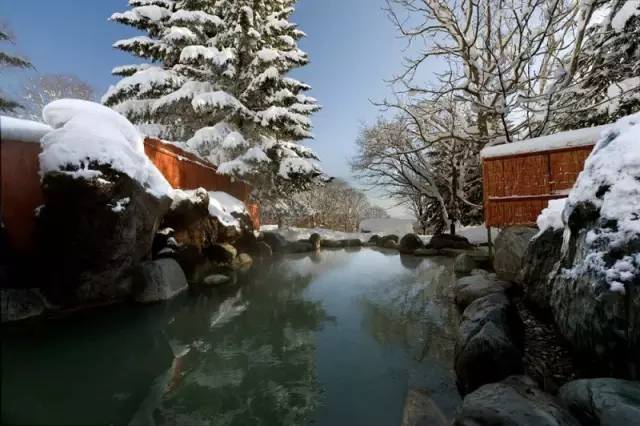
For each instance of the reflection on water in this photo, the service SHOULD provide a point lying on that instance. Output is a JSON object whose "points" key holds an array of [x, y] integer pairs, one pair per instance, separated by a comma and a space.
{"points": [[330, 338]]}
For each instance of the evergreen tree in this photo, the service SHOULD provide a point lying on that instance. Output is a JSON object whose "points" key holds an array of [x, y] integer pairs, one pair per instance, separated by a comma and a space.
{"points": [[8, 60], [607, 83], [223, 86]]}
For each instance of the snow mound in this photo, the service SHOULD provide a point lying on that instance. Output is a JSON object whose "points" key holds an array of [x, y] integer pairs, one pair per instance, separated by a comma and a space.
{"points": [[387, 226], [15, 129], [611, 183], [221, 205], [86, 135], [551, 217]]}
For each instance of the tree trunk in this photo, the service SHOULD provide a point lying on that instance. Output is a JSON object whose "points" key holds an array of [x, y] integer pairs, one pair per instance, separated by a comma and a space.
{"points": [[452, 228]]}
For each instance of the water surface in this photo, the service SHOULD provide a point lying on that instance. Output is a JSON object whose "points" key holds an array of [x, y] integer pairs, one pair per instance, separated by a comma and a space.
{"points": [[335, 338]]}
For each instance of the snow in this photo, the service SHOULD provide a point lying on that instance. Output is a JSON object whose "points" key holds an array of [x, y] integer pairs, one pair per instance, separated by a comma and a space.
{"points": [[221, 205], [387, 226], [145, 81], [15, 129], [217, 99], [86, 134], [624, 90], [292, 166], [630, 9], [551, 217], [573, 138], [121, 205], [610, 183]]}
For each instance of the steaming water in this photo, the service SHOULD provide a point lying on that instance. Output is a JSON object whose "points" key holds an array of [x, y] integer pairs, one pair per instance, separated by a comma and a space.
{"points": [[335, 338]]}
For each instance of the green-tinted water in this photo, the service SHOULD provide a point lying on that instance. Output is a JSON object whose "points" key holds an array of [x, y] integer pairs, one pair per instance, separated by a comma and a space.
{"points": [[331, 339]]}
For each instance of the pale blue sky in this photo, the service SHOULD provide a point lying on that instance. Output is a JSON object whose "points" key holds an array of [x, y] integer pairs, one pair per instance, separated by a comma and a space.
{"points": [[352, 45]]}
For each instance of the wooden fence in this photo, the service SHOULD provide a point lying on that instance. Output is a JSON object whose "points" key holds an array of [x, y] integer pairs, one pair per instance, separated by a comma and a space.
{"points": [[518, 187], [21, 194]]}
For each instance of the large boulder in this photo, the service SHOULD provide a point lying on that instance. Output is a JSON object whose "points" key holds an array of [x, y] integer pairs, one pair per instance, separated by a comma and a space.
{"points": [[276, 241], [448, 241], [510, 247], [541, 257], [605, 402], [410, 243], [20, 304], [158, 280], [464, 264], [92, 232], [473, 287], [385, 240], [594, 310], [488, 346], [302, 246], [221, 253], [332, 243], [315, 239], [516, 401]]}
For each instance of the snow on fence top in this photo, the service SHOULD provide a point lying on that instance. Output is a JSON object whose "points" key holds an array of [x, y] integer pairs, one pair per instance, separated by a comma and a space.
{"points": [[15, 129], [563, 140]]}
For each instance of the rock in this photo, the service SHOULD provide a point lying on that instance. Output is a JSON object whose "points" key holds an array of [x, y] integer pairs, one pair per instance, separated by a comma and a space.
{"points": [[216, 280], [261, 250], [374, 240], [315, 241], [410, 243], [92, 232], [442, 241], [490, 334], [221, 253], [602, 325], [353, 242], [606, 402], [332, 244], [243, 262], [427, 252], [421, 410], [276, 241], [385, 239], [516, 401], [390, 244], [464, 264], [470, 288], [542, 254], [301, 246], [510, 246], [20, 304], [158, 280]]}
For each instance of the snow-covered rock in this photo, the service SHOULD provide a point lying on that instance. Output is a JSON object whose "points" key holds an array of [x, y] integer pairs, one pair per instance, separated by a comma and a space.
{"points": [[88, 137]]}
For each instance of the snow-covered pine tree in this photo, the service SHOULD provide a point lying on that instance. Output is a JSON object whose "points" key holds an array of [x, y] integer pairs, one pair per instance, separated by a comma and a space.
{"points": [[606, 85], [226, 88], [8, 60]]}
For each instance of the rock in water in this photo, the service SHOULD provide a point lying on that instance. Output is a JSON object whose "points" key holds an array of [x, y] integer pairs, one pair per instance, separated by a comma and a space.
{"points": [[158, 280], [443, 241], [301, 246], [488, 345], [92, 232], [421, 410], [541, 256], [315, 241], [410, 243], [221, 253], [276, 241], [605, 402], [243, 262], [510, 246], [464, 264], [216, 280], [384, 241], [516, 401], [468, 289], [20, 304]]}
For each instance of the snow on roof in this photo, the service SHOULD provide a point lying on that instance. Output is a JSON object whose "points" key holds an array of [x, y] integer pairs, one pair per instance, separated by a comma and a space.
{"points": [[87, 133], [15, 129], [573, 138]]}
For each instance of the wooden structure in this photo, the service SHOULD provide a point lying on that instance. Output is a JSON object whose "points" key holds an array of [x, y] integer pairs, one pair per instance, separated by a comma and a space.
{"points": [[21, 194], [520, 178]]}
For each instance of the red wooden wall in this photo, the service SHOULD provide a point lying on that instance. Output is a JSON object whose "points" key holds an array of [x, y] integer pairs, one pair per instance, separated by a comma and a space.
{"points": [[518, 187]]}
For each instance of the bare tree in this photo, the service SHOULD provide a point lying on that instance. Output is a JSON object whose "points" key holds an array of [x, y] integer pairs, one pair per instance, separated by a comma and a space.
{"points": [[43, 89]]}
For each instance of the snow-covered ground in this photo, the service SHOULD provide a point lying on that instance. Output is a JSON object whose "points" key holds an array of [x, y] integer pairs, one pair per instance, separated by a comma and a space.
{"points": [[387, 225], [475, 234]]}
